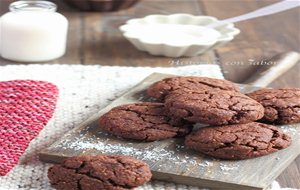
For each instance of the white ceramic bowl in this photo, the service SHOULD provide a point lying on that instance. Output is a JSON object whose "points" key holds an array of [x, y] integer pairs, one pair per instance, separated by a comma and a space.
{"points": [[139, 32]]}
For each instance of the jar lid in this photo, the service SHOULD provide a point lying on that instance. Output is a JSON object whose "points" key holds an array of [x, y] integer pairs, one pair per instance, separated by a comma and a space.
{"points": [[32, 6]]}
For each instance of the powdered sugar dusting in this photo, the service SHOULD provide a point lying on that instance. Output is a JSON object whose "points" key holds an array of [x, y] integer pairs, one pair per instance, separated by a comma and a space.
{"points": [[164, 158], [152, 153], [290, 129], [226, 168], [121, 149]]}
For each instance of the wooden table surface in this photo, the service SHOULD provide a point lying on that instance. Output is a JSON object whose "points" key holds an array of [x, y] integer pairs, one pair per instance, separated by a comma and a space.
{"points": [[94, 39]]}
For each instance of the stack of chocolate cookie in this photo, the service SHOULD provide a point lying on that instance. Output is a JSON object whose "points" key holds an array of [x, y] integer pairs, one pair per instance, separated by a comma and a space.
{"points": [[232, 132]]}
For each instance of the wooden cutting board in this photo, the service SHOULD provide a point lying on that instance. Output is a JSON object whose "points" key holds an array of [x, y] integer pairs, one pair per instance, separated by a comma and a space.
{"points": [[168, 159]]}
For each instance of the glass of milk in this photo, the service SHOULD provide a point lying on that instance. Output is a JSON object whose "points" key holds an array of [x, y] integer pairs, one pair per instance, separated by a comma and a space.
{"points": [[33, 32]]}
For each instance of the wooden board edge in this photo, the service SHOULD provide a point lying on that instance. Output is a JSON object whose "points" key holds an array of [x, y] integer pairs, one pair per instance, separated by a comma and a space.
{"points": [[45, 156], [202, 183]]}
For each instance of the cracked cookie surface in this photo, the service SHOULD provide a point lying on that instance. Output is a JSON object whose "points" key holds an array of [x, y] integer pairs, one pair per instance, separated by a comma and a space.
{"points": [[214, 107], [240, 141], [99, 172], [162, 88], [143, 121], [282, 106]]}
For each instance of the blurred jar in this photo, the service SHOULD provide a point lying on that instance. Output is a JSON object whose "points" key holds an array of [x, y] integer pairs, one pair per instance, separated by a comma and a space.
{"points": [[32, 32], [101, 5]]}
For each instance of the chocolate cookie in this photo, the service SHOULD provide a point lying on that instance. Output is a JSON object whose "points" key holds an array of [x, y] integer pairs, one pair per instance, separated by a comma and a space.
{"points": [[143, 121], [162, 88], [214, 107], [99, 172], [282, 106], [241, 141]]}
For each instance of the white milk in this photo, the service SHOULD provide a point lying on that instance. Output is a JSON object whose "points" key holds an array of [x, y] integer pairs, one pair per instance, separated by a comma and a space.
{"points": [[32, 31]]}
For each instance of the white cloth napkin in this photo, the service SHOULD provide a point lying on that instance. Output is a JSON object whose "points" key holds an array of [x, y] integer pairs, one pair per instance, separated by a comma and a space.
{"points": [[83, 91]]}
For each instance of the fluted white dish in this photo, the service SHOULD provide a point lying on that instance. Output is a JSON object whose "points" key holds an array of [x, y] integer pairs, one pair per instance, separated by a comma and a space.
{"points": [[136, 31]]}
